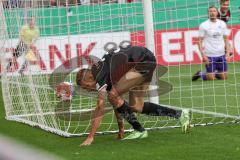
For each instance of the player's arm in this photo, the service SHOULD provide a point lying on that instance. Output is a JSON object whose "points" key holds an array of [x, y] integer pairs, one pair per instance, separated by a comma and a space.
{"points": [[227, 47], [201, 49], [97, 118], [200, 43], [226, 42], [120, 124]]}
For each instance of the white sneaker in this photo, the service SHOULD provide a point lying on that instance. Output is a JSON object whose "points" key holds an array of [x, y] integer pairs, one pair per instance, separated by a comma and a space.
{"points": [[137, 135]]}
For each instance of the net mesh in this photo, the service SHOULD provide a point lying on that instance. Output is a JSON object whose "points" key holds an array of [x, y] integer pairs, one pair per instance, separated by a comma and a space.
{"points": [[70, 31]]}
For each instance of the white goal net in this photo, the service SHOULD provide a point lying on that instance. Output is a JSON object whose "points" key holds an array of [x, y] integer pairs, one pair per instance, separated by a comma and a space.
{"points": [[69, 31]]}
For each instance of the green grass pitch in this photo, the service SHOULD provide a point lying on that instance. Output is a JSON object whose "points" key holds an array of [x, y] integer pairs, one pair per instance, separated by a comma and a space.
{"points": [[215, 142]]}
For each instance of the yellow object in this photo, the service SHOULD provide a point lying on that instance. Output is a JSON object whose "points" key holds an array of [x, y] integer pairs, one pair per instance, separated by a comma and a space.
{"points": [[30, 56], [29, 35]]}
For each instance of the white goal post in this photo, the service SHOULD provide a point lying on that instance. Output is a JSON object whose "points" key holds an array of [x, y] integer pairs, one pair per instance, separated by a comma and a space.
{"points": [[150, 44], [168, 28]]}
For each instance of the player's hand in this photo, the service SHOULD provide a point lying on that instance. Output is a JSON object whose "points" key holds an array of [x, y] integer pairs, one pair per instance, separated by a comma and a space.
{"points": [[205, 59], [229, 57], [120, 134], [87, 142]]}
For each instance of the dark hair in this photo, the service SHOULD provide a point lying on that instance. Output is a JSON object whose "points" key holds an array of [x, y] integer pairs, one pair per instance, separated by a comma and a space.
{"points": [[212, 6], [81, 75], [222, 1]]}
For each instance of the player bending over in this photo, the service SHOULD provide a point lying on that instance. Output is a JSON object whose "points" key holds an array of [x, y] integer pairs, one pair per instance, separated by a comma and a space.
{"points": [[125, 70]]}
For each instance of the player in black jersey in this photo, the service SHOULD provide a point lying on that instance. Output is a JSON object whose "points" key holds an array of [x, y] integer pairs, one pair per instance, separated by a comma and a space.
{"points": [[224, 12], [125, 70]]}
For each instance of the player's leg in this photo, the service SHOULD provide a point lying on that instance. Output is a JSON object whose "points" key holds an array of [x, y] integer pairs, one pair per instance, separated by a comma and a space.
{"points": [[137, 104], [136, 100], [209, 74], [136, 97], [199, 74], [129, 80], [25, 63], [23, 67], [21, 48], [133, 82], [120, 125], [211, 68], [222, 75], [222, 68]]}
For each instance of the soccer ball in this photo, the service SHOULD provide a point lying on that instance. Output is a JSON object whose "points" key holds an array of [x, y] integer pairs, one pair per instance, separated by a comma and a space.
{"points": [[64, 91]]}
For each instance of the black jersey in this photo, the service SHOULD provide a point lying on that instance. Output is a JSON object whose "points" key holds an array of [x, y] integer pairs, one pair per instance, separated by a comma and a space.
{"points": [[116, 63], [224, 16]]}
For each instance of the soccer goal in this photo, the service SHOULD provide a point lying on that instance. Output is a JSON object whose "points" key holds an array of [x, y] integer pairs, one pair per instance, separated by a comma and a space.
{"points": [[169, 28]]}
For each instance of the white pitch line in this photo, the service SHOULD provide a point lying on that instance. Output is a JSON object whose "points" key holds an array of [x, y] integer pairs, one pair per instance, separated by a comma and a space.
{"points": [[205, 112], [58, 112]]}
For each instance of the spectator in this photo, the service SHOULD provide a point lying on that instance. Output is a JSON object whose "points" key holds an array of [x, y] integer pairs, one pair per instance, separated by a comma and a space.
{"points": [[130, 1], [102, 1], [53, 2], [224, 11], [65, 3], [11, 3]]}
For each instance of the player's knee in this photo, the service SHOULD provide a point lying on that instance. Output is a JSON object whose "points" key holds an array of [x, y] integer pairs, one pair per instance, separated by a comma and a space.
{"points": [[210, 77], [224, 76], [111, 97], [114, 98], [137, 107]]}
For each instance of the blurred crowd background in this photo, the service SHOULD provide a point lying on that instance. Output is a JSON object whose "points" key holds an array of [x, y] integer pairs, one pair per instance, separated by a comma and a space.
{"points": [[56, 3]]}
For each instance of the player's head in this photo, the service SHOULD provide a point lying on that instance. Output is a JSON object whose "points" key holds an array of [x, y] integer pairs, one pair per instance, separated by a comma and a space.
{"points": [[31, 22], [224, 5], [86, 80], [212, 13]]}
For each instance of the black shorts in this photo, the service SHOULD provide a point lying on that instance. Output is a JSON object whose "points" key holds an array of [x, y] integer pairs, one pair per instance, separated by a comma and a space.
{"points": [[21, 48], [120, 66], [147, 67]]}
